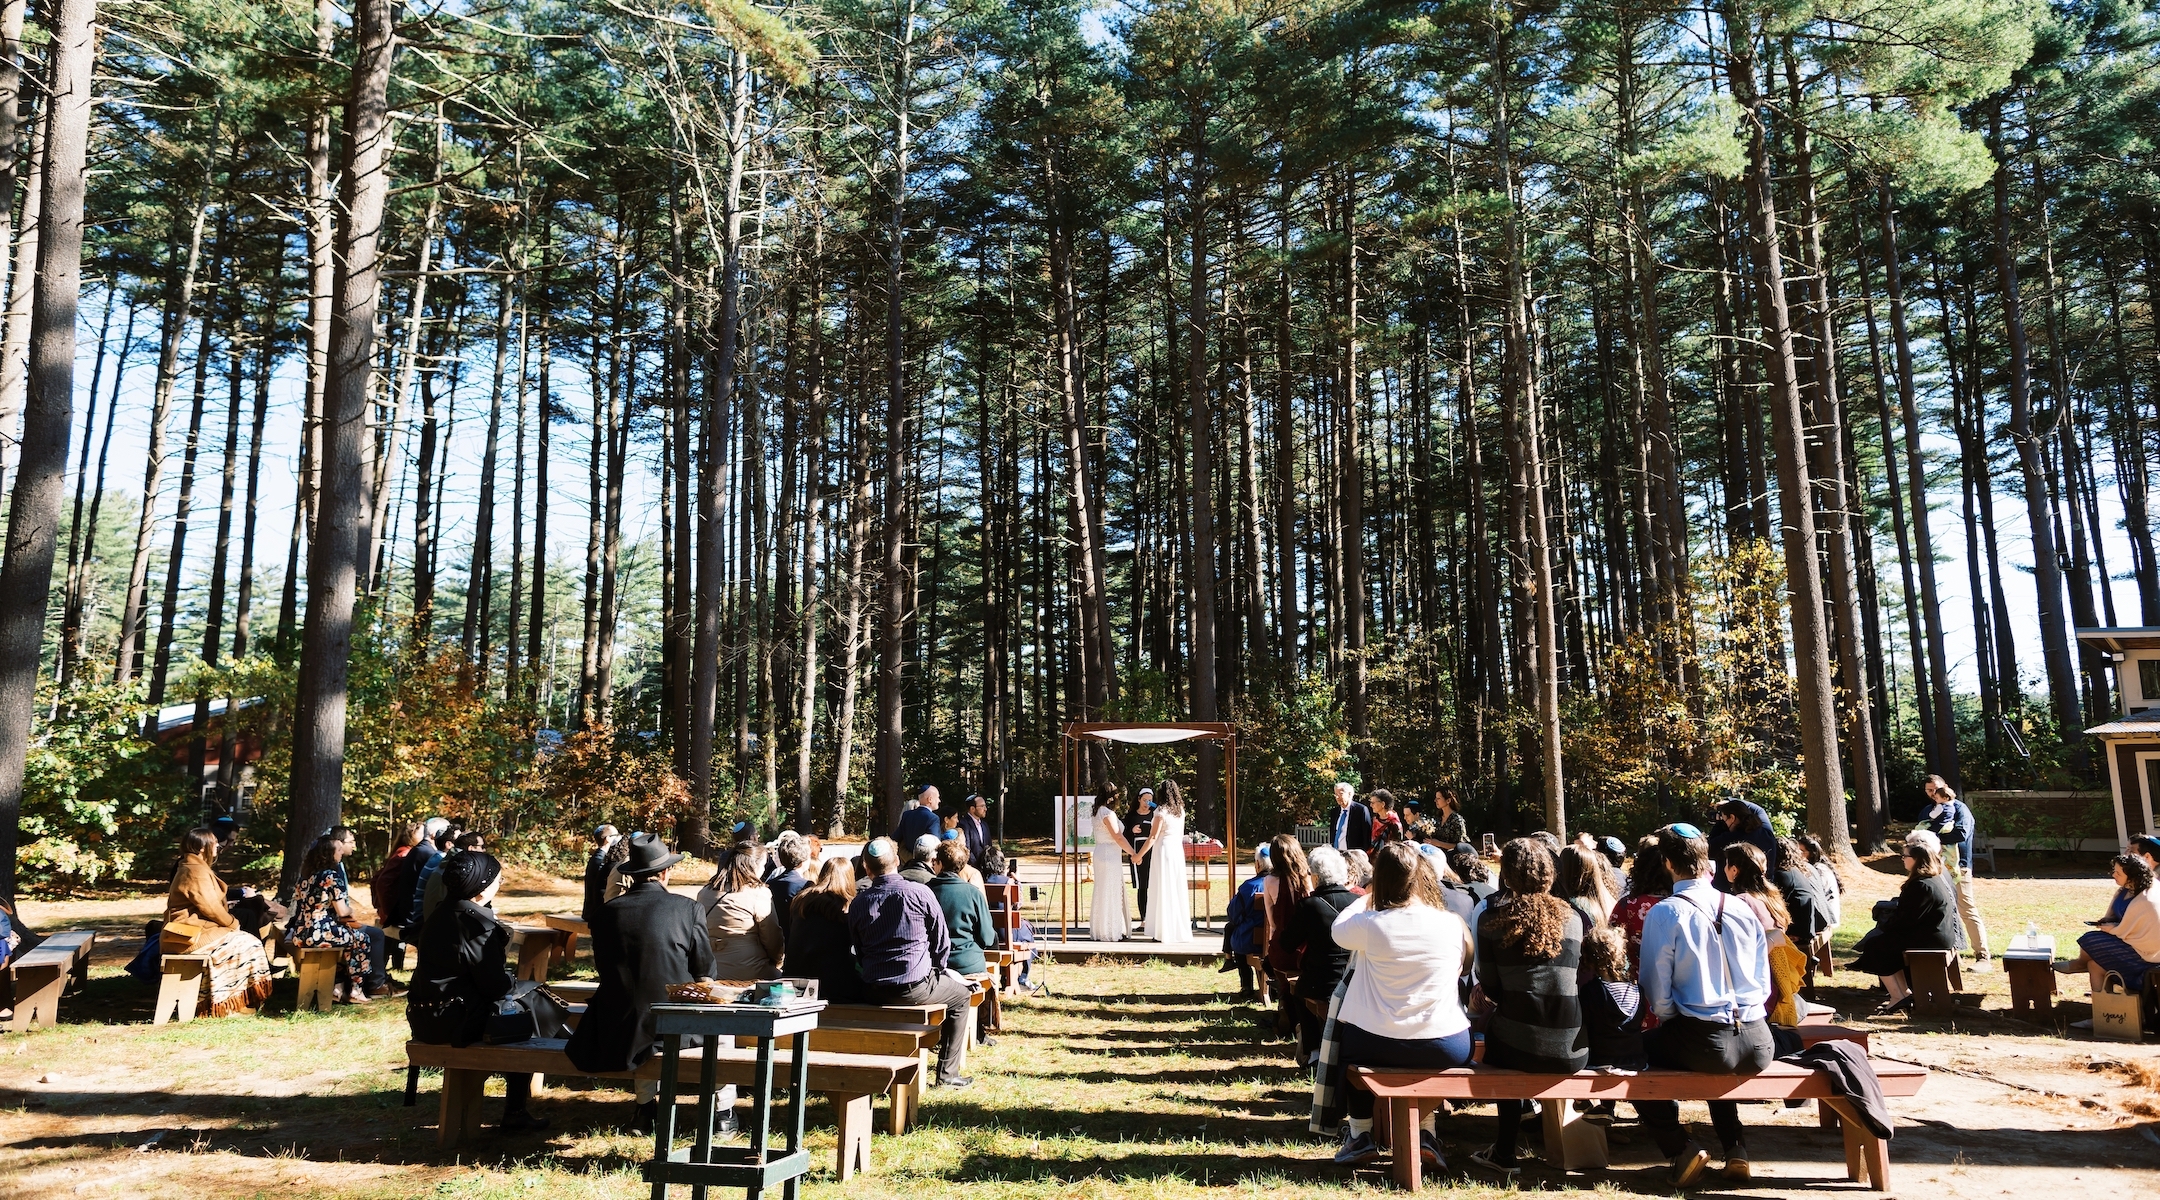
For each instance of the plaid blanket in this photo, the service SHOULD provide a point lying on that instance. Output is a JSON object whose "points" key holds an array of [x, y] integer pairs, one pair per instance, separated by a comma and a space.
{"points": [[1331, 1082], [239, 975]]}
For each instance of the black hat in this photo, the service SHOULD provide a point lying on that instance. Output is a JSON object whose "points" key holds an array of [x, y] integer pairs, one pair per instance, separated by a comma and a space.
{"points": [[469, 872], [648, 856]]}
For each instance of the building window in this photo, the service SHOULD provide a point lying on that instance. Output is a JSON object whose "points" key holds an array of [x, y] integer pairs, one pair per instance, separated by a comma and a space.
{"points": [[2149, 679]]}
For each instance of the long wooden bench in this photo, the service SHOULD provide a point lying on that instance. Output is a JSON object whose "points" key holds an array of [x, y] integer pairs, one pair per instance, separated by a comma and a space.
{"points": [[1574, 1145], [850, 1081], [912, 1041], [43, 975]]}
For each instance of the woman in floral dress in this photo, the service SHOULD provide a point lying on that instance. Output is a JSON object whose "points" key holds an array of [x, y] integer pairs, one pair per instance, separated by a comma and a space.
{"points": [[323, 916]]}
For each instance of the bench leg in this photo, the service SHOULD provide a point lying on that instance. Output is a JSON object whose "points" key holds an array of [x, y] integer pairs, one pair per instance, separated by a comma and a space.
{"points": [[1867, 1158], [1403, 1118], [318, 979], [1825, 1116], [37, 997], [412, 1086], [852, 1115], [179, 992], [461, 1094], [1855, 1164], [1571, 1143]]}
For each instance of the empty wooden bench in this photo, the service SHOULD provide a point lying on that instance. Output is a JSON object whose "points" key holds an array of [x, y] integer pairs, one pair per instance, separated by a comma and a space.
{"points": [[44, 974], [1936, 979], [850, 1081], [911, 1041], [1574, 1145]]}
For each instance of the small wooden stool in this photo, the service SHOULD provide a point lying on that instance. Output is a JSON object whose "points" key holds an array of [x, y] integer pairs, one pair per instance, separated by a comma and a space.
{"points": [[1935, 978], [2032, 987], [180, 987], [318, 976]]}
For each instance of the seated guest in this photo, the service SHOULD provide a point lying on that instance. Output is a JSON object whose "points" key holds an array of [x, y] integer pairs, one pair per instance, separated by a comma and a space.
{"points": [[444, 842], [382, 883], [1360, 864], [2131, 946], [1529, 959], [998, 874], [905, 951], [461, 973], [817, 943], [921, 863], [1827, 884], [642, 941], [1611, 1005], [1705, 976], [239, 969], [617, 882], [1648, 883], [789, 852], [323, 916], [738, 907], [1738, 820], [433, 892], [1587, 882], [1615, 852], [1289, 882], [1311, 934], [966, 909], [1245, 926], [1470, 871], [1403, 1007], [1923, 917], [597, 869], [405, 887], [1744, 875], [2147, 848], [1460, 900], [1810, 926]]}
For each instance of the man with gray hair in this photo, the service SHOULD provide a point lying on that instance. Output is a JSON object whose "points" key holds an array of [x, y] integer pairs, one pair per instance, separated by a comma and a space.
{"points": [[919, 868], [904, 949]]}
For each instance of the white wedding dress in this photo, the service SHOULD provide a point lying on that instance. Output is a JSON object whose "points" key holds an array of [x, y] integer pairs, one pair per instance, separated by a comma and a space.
{"points": [[1108, 922], [1169, 914]]}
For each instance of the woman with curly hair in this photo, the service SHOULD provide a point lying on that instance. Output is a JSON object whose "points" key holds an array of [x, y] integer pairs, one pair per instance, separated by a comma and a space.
{"points": [[323, 916], [1529, 960]]}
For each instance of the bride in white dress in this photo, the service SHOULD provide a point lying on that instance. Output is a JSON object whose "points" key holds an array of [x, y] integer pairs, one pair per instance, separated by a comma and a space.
{"points": [[1169, 914], [1107, 922]]}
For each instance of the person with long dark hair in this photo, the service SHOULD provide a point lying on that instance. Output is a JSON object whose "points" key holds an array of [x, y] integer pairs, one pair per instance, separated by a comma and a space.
{"points": [[1402, 1007], [1648, 883], [2130, 947], [747, 942], [323, 916], [1529, 965]]}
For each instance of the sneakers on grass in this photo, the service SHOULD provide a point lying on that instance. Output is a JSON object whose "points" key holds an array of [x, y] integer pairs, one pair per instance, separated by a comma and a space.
{"points": [[1356, 1148]]}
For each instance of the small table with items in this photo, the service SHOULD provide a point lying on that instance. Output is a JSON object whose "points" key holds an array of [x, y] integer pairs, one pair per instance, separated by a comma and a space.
{"points": [[2029, 963], [761, 1165]]}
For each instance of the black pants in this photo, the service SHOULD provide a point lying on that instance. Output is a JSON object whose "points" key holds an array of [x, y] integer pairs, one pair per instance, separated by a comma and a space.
{"points": [[1140, 875], [936, 989], [517, 1094], [1713, 1048]]}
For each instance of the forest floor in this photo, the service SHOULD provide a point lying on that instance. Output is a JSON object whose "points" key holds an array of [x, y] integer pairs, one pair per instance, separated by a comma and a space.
{"points": [[1126, 1081]]}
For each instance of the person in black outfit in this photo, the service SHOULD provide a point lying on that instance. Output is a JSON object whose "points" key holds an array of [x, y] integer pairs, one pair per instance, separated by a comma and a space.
{"points": [[1923, 917], [643, 941], [1809, 908], [1738, 820], [1529, 962], [462, 973], [789, 852], [596, 871], [1311, 931], [1472, 872], [818, 946], [1138, 824]]}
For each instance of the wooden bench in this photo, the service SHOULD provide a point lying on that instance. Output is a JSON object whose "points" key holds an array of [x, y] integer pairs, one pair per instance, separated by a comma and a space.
{"points": [[1573, 1144], [571, 927], [910, 1041], [44, 974], [850, 1081], [180, 986], [1005, 919], [536, 946], [1936, 979], [317, 968]]}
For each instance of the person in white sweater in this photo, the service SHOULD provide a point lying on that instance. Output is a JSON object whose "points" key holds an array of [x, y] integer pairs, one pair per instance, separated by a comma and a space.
{"points": [[1403, 1007], [2131, 946]]}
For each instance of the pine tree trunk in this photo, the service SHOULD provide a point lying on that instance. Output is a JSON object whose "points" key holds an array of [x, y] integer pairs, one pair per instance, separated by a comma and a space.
{"points": [[892, 613], [15, 328], [82, 542], [48, 414], [318, 769], [183, 509]]}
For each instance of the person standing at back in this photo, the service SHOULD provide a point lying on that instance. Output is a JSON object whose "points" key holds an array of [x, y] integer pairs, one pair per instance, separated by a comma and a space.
{"points": [[790, 851], [1952, 822], [975, 828], [1706, 977], [1139, 823], [643, 941], [920, 821], [1351, 827], [905, 952]]}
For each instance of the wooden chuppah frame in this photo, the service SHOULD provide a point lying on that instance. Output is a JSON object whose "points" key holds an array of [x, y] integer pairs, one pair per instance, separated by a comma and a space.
{"points": [[1141, 733]]}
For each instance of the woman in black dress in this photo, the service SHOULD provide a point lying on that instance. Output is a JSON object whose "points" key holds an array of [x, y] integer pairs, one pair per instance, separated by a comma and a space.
{"points": [[462, 973], [1923, 917]]}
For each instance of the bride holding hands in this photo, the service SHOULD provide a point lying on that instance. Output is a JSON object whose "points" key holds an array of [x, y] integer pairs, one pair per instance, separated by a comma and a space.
{"points": [[1169, 910], [1107, 921]]}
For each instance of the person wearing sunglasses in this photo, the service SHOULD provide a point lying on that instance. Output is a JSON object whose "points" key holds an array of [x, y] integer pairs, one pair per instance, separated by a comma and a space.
{"points": [[1923, 917]]}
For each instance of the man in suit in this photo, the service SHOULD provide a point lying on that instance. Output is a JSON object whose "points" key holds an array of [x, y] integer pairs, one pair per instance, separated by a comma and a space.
{"points": [[919, 820], [642, 941], [604, 838], [975, 829], [1353, 821], [1138, 824]]}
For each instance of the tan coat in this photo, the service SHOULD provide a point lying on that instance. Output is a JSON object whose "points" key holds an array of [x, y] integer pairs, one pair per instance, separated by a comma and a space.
{"points": [[745, 934], [197, 892]]}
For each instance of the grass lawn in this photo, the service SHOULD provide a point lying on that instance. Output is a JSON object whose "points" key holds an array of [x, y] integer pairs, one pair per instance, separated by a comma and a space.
{"points": [[1129, 1081]]}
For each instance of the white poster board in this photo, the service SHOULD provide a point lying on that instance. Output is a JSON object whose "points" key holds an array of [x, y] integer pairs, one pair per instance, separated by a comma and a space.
{"points": [[1063, 811]]}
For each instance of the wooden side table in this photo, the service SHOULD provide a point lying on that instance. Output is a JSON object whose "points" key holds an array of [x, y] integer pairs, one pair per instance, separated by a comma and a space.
{"points": [[2030, 964], [760, 1165]]}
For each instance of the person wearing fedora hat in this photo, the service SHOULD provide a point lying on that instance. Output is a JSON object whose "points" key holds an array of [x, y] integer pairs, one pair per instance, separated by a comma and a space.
{"points": [[643, 941]]}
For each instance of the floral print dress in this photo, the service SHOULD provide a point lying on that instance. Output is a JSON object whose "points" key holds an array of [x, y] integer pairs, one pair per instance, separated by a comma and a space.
{"points": [[315, 921]]}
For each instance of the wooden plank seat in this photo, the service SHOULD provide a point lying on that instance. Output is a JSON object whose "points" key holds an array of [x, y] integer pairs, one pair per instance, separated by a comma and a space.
{"points": [[850, 1081], [181, 980], [911, 1041], [44, 974], [1936, 979], [572, 928], [1574, 1145]]}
